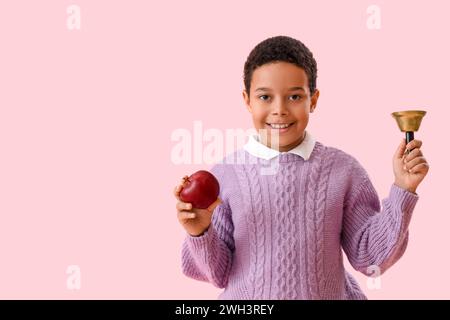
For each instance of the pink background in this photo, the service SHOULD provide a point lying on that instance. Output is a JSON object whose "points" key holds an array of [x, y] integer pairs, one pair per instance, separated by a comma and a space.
{"points": [[86, 118]]}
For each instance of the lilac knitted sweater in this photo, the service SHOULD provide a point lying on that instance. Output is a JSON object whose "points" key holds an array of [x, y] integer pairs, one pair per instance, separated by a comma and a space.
{"points": [[280, 235]]}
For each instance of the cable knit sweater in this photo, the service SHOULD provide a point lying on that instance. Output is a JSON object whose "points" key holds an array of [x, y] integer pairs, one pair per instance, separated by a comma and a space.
{"points": [[279, 233]]}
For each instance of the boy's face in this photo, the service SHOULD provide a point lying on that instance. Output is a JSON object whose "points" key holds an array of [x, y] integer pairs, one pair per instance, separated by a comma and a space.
{"points": [[279, 96]]}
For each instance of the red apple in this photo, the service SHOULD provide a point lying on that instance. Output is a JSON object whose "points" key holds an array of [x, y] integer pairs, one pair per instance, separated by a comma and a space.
{"points": [[201, 189]]}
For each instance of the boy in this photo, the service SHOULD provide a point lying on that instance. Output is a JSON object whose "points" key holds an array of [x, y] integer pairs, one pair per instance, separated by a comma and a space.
{"points": [[280, 236]]}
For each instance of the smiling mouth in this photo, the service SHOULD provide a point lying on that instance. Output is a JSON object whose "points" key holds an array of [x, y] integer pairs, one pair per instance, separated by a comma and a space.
{"points": [[280, 125]]}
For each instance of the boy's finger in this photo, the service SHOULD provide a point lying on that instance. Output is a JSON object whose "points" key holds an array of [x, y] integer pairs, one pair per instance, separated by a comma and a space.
{"points": [[214, 204], [421, 167], [179, 187], [186, 215], [412, 155], [183, 206], [401, 149], [176, 192], [414, 144], [412, 163], [182, 181]]}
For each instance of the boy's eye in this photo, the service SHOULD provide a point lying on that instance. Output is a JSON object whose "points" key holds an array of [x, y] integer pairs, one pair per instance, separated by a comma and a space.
{"points": [[294, 97]]}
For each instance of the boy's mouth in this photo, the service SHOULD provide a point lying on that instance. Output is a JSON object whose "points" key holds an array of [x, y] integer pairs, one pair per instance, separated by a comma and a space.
{"points": [[280, 126]]}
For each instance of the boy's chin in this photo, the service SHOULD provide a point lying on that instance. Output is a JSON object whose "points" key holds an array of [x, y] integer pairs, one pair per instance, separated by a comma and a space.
{"points": [[286, 144], [282, 144]]}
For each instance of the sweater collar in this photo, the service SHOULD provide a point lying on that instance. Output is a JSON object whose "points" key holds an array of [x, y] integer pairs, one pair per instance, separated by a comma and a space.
{"points": [[257, 149]]}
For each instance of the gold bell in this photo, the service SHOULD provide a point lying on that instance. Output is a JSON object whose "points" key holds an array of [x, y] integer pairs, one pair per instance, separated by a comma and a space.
{"points": [[409, 122]]}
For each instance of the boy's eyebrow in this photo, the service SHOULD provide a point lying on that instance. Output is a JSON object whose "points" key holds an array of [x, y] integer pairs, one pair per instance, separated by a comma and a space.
{"points": [[291, 89]]}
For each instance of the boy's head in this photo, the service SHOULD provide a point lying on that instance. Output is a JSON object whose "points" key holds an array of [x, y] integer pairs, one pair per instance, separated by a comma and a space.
{"points": [[280, 88]]}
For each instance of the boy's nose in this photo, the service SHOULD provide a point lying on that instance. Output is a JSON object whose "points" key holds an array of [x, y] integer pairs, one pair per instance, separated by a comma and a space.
{"points": [[279, 109]]}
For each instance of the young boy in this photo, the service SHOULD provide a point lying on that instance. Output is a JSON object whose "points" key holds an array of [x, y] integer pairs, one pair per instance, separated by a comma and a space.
{"points": [[281, 235]]}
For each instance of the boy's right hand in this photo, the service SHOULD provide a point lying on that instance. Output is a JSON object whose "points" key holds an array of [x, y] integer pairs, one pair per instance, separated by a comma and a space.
{"points": [[194, 221]]}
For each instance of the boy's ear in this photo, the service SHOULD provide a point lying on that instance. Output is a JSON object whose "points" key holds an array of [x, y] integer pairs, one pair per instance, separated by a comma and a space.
{"points": [[247, 100], [314, 99]]}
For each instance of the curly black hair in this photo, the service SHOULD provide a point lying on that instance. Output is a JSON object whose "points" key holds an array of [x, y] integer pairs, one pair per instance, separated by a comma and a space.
{"points": [[281, 48]]}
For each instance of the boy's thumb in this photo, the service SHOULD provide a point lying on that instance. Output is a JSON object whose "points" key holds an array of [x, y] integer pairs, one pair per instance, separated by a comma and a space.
{"points": [[214, 204], [401, 149]]}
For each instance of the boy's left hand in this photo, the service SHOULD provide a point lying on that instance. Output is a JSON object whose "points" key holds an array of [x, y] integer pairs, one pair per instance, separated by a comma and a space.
{"points": [[409, 169]]}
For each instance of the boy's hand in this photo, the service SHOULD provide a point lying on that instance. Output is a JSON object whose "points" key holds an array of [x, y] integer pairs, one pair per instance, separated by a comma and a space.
{"points": [[195, 221], [409, 169]]}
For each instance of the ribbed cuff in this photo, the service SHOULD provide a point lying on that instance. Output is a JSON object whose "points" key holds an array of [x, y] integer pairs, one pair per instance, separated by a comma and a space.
{"points": [[403, 198], [202, 242]]}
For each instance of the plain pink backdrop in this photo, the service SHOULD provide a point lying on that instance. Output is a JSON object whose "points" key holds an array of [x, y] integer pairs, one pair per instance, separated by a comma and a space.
{"points": [[86, 118]]}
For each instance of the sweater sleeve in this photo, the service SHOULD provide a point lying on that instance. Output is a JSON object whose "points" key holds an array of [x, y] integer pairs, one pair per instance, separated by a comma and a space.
{"points": [[209, 257], [371, 236]]}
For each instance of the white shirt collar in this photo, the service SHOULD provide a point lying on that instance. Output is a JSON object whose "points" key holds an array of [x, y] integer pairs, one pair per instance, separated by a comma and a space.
{"points": [[257, 149]]}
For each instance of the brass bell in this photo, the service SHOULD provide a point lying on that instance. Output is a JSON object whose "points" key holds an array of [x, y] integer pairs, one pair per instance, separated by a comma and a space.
{"points": [[409, 122]]}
